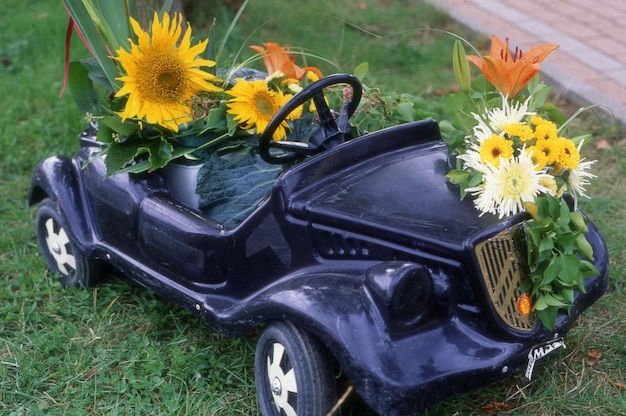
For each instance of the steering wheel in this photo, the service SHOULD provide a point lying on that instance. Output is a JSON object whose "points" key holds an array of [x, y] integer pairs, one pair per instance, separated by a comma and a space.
{"points": [[331, 131]]}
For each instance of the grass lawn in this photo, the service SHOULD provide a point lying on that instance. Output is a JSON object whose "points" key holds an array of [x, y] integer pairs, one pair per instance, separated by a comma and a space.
{"points": [[117, 349]]}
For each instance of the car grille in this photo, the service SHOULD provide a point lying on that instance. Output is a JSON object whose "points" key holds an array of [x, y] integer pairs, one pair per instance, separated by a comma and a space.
{"points": [[502, 261]]}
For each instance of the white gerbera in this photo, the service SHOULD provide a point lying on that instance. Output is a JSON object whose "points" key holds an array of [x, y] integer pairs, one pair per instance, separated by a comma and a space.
{"points": [[481, 130], [510, 113], [495, 120], [471, 159], [505, 189], [578, 178]]}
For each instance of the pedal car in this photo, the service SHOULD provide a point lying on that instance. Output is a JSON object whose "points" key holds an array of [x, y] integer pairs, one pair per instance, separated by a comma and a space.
{"points": [[361, 258]]}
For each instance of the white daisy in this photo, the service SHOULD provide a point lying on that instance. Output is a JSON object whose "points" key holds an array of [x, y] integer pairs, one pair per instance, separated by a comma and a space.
{"points": [[505, 189], [578, 178], [508, 114]]}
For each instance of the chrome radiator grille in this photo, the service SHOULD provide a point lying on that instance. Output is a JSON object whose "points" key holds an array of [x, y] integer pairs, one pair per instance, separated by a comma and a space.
{"points": [[502, 261]]}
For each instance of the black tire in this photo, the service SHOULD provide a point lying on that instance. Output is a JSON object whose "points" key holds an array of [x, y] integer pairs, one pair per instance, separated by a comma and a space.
{"points": [[60, 251], [293, 373]]}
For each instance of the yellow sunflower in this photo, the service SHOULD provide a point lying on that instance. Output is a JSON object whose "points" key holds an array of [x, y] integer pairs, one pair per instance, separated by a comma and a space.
{"points": [[161, 77], [494, 148], [254, 104]]}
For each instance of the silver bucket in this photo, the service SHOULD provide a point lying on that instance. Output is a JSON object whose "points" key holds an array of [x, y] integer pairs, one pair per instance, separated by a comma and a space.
{"points": [[182, 180]]}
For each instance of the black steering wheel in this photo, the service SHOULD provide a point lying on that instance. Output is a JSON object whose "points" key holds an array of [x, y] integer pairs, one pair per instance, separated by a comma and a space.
{"points": [[331, 131]]}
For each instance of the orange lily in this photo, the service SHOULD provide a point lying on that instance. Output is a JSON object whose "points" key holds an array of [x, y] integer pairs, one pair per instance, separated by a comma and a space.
{"points": [[510, 73], [279, 59]]}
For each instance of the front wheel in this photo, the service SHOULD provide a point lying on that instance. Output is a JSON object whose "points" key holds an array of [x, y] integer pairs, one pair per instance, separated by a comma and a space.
{"points": [[293, 373], [59, 251]]}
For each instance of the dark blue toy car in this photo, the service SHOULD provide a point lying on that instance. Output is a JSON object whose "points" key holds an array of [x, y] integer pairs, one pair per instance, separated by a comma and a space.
{"points": [[361, 259]]}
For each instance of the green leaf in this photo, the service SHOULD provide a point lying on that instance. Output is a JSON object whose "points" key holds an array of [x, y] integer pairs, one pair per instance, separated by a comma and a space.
{"points": [[526, 286], [82, 89], [568, 242], [584, 247], [404, 111], [160, 153], [475, 178], [568, 295], [570, 268], [588, 269], [551, 300], [231, 185], [552, 271], [361, 70], [547, 244], [457, 176], [540, 304], [114, 122], [548, 316], [118, 156], [81, 12]]}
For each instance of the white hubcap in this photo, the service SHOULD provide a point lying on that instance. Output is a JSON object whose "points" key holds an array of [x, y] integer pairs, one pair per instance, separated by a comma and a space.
{"points": [[58, 243], [281, 382]]}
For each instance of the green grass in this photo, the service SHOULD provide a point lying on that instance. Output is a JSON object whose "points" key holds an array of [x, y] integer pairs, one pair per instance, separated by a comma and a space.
{"points": [[118, 349]]}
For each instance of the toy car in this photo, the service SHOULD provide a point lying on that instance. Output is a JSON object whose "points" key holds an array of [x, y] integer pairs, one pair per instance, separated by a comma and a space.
{"points": [[362, 255]]}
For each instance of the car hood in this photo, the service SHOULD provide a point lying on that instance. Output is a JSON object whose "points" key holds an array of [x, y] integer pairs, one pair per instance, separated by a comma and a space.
{"points": [[402, 197]]}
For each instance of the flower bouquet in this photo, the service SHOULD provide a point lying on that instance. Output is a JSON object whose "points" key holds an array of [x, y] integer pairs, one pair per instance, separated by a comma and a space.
{"points": [[166, 100], [514, 158]]}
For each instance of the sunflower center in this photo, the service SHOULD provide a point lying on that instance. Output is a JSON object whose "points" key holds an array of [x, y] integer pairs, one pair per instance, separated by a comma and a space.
{"points": [[264, 104], [161, 78]]}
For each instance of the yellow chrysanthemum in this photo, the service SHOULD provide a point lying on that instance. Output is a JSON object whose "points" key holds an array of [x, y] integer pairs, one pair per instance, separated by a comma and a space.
{"points": [[550, 150], [544, 129], [161, 77], [567, 156], [538, 156], [495, 148], [254, 104], [521, 131], [549, 183], [536, 120]]}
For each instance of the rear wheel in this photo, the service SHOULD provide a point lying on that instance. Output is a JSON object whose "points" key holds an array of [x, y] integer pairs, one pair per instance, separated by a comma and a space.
{"points": [[59, 251], [293, 373]]}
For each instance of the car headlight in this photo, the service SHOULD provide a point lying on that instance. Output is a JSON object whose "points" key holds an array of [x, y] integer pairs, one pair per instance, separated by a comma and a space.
{"points": [[402, 291]]}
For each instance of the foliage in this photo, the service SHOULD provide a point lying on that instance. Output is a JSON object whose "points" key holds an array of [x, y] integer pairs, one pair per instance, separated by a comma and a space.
{"points": [[514, 158], [558, 253]]}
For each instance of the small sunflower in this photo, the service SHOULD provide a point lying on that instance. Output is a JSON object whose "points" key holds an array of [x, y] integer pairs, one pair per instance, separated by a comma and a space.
{"points": [[254, 104], [494, 149], [161, 77]]}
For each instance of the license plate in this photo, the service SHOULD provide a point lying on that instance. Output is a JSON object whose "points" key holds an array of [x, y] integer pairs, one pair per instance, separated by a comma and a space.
{"points": [[539, 351]]}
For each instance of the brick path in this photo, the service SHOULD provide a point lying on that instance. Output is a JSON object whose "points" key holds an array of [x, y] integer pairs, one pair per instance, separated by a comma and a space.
{"points": [[590, 65]]}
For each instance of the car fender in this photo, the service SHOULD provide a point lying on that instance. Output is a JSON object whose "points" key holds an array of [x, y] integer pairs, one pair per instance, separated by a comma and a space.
{"points": [[341, 309], [58, 178]]}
